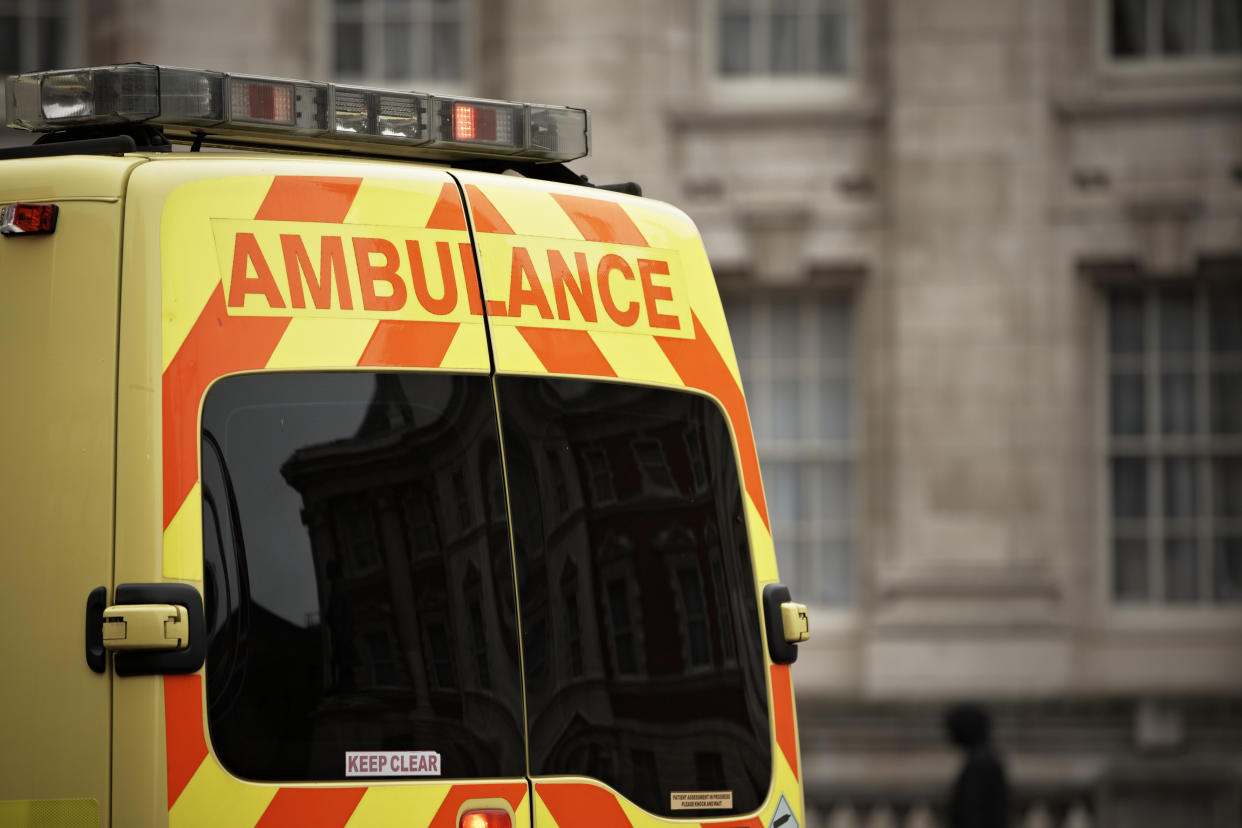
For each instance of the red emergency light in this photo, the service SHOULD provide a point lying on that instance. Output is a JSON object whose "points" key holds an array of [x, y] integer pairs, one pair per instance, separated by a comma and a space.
{"points": [[486, 819], [23, 219]]}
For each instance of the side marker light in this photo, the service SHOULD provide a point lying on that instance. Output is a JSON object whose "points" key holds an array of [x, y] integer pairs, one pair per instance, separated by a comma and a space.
{"points": [[24, 219], [486, 819]]}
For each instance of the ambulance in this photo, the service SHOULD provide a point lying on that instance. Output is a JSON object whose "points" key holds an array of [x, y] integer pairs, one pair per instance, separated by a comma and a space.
{"points": [[376, 470]]}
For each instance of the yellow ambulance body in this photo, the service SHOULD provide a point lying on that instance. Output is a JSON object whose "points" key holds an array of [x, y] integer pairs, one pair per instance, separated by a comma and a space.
{"points": [[370, 491]]}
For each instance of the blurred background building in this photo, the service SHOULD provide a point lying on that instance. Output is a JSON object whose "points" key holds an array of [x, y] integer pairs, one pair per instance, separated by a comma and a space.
{"points": [[983, 267]]}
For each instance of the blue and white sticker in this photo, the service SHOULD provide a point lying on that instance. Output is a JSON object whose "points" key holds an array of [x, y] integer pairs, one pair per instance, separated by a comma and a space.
{"points": [[784, 815]]}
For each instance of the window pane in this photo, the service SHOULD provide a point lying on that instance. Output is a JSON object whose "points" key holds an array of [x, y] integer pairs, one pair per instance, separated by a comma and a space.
{"points": [[1129, 487], [1130, 570], [1226, 26], [10, 44], [1225, 311], [735, 56], [832, 28], [1180, 488], [1226, 394], [640, 551], [739, 316], [51, 42], [1177, 403], [446, 59], [1178, 27], [1181, 570], [834, 410], [1127, 409], [397, 63], [783, 51], [834, 485], [1125, 329], [785, 404], [836, 579], [787, 330], [1227, 486], [1227, 569], [327, 622], [1177, 322], [834, 329], [1129, 28], [781, 487], [349, 48]]}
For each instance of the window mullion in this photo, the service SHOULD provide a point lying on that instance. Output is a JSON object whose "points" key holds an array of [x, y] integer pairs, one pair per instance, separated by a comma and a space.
{"points": [[1153, 448]]}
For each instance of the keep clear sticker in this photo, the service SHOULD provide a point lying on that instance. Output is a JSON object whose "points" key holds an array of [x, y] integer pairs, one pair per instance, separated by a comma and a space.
{"points": [[701, 800], [392, 763], [784, 816]]}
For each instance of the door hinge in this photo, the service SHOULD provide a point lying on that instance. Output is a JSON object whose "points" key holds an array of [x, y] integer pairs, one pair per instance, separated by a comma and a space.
{"points": [[146, 627]]}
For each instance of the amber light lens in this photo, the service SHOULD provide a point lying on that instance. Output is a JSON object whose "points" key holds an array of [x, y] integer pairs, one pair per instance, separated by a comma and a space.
{"points": [[486, 819]]}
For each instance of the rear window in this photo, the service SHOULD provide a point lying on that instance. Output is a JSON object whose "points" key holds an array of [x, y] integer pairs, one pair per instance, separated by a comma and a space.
{"points": [[360, 571], [358, 579], [644, 664]]}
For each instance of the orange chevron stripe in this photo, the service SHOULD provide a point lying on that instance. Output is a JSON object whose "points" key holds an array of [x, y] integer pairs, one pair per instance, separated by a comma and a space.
{"points": [[309, 198], [183, 724], [311, 808], [487, 219], [699, 364], [409, 344], [601, 221], [448, 213], [783, 714], [567, 352], [580, 805], [217, 344]]}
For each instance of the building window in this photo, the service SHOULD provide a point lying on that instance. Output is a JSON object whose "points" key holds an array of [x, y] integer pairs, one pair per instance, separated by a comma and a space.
{"points": [[1175, 29], [1175, 444], [399, 40], [35, 34], [795, 358], [782, 38]]}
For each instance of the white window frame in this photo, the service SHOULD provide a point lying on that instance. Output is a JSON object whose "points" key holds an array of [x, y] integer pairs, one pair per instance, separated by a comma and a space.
{"points": [[1205, 615], [372, 73], [1157, 68], [807, 454], [762, 91]]}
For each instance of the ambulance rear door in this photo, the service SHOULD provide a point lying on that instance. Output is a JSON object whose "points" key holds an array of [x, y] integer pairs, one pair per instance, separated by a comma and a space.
{"points": [[309, 442], [641, 534]]}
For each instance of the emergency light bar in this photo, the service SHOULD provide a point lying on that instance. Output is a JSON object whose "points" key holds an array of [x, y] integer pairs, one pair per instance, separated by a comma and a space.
{"points": [[195, 105]]}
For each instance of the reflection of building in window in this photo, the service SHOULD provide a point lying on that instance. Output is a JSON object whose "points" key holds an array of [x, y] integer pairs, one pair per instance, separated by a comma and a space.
{"points": [[622, 627], [709, 770], [782, 38], [440, 654], [357, 536], [795, 360], [646, 775], [696, 615], [35, 34], [573, 622], [383, 662], [654, 465], [560, 486], [723, 614], [694, 449], [1174, 29], [1175, 443], [462, 501], [423, 534], [399, 39], [601, 476]]}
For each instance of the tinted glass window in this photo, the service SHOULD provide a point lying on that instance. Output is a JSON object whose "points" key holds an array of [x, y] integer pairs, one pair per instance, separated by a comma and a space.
{"points": [[644, 666], [358, 576]]}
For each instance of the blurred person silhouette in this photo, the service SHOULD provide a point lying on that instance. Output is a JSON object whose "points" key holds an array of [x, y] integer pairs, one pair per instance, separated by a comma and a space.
{"points": [[979, 797]]}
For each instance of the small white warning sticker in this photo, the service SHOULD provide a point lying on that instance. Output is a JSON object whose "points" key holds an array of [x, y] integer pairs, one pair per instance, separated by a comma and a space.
{"points": [[392, 763], [701, 800]]}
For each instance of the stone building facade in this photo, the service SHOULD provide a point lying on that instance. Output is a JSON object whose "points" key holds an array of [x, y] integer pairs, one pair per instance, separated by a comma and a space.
{"points": [[983, 262]]}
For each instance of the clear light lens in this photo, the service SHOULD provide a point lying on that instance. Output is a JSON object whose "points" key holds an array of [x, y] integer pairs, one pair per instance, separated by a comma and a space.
{"points": [[189, 96], [350, 113], [113, 94], [556, 133], [401, 116]]}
